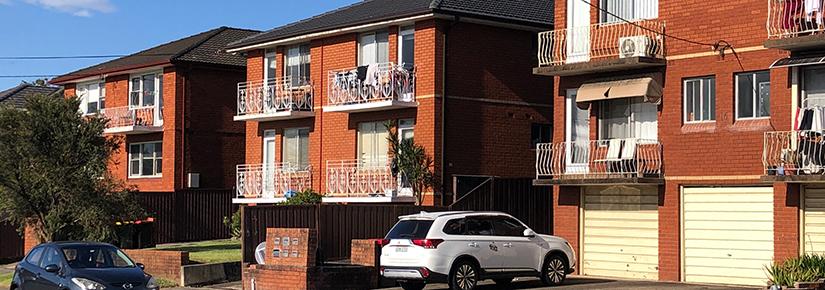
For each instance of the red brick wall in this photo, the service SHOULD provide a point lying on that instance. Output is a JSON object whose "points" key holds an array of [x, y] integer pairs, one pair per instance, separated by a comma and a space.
{"points": [[30, 240], [161, 264], [365, 252], [786, 220], [566, 202], [301, 254], [670, 250]]}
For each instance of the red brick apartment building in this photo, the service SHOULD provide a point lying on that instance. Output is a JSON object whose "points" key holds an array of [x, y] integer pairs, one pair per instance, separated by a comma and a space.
{"points": [[455, 74], [671, 162], [169, 104]]}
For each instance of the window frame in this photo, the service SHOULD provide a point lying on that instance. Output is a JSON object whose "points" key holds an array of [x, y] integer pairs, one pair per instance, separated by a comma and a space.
{"points": [[84, 96], [270, 56], [803, 87], [140, 159], [303, 161], [407, 30], [158, 76], [702, 82], [359, 143], [603, 15], [541, 138], [755, 97], [377, 43], [304, 64]]}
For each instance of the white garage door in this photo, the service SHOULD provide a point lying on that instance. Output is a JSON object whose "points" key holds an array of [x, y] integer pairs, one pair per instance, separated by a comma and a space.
{"points": [[621, 232], [813, 219], [728, 234]]}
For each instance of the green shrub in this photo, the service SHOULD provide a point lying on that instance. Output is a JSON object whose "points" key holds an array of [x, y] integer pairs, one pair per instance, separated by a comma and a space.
{"points": [[806, 268], [306, 197], [234, 224]]}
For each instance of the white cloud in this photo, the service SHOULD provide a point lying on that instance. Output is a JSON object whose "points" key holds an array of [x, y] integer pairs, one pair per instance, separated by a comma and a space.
{"points": [[5, 2], [82, 8]]}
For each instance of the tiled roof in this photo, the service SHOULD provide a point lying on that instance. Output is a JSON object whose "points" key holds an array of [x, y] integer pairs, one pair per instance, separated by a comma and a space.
{"points": [[17, 96], [529, 12], [204, 47]]}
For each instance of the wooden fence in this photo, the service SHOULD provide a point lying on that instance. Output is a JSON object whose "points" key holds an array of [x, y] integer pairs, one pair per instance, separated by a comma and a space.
{"points": [[533, 205], [189, 215], [337, 225], [11, 243]]}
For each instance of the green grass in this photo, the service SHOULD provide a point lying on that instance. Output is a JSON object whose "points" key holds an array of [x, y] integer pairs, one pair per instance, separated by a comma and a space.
{"points": [[163, 283], [5, 279], [217, 251]]}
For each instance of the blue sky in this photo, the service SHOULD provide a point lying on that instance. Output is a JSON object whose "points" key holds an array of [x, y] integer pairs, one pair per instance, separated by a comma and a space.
{"points": [[105, 27]]}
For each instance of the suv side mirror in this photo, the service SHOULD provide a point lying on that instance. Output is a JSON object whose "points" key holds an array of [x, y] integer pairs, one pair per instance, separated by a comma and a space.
{"points": [[529, 233], [52, 268], [141, 266]]}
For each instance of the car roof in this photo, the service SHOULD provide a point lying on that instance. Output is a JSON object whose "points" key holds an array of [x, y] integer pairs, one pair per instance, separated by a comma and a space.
{"points": [[75, 244], [435, 215]]}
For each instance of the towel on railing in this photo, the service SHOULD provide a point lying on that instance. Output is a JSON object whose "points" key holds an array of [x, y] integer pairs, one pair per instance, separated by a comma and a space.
{"points": [[372, 74], [361, 72]]}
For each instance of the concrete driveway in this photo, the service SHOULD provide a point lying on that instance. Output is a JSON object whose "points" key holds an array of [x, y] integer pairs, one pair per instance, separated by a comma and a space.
{"points": [[592, 283]]}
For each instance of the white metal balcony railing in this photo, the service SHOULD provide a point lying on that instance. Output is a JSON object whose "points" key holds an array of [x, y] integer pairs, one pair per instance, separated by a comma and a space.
{"points": [[274, 95], [132, 116], [353, 178], [794, 153], [792, 18], [600, 41], [374, 83], [614, 158], [271, 181]]}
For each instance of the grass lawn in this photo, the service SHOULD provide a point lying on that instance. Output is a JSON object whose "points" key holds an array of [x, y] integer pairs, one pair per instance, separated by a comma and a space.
{"points": [[5, 279], [217, 251]]}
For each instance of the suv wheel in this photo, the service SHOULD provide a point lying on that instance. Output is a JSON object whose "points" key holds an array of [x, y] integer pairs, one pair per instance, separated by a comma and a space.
{"points": [[554, 271], [464, 276], [412, 285]]}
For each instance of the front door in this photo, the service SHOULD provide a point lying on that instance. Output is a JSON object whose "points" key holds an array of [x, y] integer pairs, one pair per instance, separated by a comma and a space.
{"points": [[577, 135], [269, 167], [578, 31]]}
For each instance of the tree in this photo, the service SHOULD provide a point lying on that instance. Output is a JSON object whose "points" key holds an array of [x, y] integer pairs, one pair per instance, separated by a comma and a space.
{"points": [[53, 172], [411, 161]]}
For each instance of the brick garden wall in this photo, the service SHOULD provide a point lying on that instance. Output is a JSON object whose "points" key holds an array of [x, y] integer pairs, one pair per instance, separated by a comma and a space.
{"points": [[161, 264]]}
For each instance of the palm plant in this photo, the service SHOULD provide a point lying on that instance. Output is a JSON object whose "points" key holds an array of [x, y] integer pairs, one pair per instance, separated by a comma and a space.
{"points": [[412, 162]]}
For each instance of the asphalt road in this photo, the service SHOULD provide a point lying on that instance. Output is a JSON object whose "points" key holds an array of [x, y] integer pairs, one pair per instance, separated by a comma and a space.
{"points": [[591, 283]]}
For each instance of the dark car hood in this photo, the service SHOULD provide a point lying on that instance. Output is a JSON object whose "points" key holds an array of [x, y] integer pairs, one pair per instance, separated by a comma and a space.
{"points": [[112, 276]]}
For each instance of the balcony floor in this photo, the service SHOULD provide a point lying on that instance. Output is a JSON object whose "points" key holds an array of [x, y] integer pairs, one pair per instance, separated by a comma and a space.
{"points": [[798, 43], [369, 199], [262, 200], [370, 106], [598, 66], [599, 181], [133, 130], [813, 178], [276, 116]]}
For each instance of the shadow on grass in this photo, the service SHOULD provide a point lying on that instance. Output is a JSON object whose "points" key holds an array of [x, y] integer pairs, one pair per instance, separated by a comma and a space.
{"points": [[202, 248]]}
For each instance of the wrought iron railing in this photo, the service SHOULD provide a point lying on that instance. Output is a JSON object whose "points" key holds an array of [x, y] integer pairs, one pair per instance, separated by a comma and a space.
{"points": [[373, 83], [794, 153], [600, 41], [354, 178], [601, 159], [274, 95], [271, 180], [132, 116], [792, 18]]}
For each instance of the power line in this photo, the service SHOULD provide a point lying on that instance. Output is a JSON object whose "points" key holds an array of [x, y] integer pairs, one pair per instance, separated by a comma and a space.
{"points": [[49, 57]]}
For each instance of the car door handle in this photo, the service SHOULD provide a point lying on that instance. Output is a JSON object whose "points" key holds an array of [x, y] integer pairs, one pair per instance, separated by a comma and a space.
{"points": [[508, 245], [493, 247], [473, 245]]}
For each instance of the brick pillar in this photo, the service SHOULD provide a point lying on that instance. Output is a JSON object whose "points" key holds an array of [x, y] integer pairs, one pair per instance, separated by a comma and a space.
{"points": [[786, 220], [566, 201], [30, 240], [669, 232]]}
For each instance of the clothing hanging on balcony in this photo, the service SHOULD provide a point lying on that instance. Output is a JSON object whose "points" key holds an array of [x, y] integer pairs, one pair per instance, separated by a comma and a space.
{"points": [[810, 119], [372, 74], [789, 14], [813, 8]]}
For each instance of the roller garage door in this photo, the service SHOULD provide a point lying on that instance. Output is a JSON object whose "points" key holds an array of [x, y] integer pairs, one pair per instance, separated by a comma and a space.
{"points": [[728, 234], [813, 221], [621, 232]]}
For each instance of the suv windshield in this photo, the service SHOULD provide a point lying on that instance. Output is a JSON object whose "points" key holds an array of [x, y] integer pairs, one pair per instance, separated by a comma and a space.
{"points": [[81, 257], [410, 229]]}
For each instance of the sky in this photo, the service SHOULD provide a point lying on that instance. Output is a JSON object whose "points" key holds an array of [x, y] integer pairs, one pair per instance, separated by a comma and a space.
{"points": [[116, 27]]}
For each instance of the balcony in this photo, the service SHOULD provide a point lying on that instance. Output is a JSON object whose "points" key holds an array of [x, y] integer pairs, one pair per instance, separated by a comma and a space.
{"points": [[275, 99], [614, 161], [601, 48], [794, 156], [257, 183], [791, 27], [133, 120], [377, 87], [359, 182]]}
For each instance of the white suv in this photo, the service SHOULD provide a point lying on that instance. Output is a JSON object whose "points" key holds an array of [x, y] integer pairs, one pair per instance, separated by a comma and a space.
{"points": [[462, 248]]}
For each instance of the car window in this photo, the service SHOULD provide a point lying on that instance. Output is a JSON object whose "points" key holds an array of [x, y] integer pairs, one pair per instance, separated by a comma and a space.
{"points": [[455, 227], [410, 229], [506, 226], [34, 256], [50, 257], [96, 257], [478, 226]]}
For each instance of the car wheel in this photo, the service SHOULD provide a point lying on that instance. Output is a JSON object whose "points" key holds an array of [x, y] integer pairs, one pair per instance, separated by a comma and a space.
{"points": [[503, 281], [412, 285], [554, 270], [464, 276]]}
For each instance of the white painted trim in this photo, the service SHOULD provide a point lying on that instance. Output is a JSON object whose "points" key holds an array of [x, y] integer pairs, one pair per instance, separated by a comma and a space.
{"points": [[275, 116], [702, 82], [133, 130], [371, 106], [410, 30], [755, 96], [258, 200], [140, 160], [305, 37], [377, 199]]}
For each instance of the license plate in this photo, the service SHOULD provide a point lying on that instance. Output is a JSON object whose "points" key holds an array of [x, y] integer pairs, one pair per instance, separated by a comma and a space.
{"points": [[401, 250]]}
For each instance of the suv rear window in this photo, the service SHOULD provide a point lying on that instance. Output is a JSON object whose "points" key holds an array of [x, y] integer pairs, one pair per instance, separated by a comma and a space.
{"points": [[410, 229]]}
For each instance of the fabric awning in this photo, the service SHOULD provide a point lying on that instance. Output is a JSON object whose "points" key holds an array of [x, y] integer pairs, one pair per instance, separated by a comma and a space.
{"points": [[798, 61], [645, 87]]}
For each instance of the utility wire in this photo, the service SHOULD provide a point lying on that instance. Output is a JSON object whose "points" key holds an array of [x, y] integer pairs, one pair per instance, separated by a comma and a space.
{"points": [[48, 57]]}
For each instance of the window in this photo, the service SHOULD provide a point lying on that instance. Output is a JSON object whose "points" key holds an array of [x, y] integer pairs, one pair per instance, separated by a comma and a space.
{"points": [[454, 227], [296, 148], [753, 95], [628, 10], [34, 256], [372, 143], [540, 133], [270, 64], [700, 99], [145, 89], [478, 226], [406, 129], [507, 227], [51, 257], [269, 147], [628, 118], [101, 257], [145, 159], [410, 229], [373, 47], [406, 47], [92, 97], [297, 64], [813, 88]]}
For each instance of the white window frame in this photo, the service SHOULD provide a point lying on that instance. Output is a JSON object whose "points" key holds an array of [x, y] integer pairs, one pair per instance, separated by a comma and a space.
{"points": [[632, 119], [377, 46], [702, 82], [301, 159], [381, 157], [406, 125], [303, 77], [270, 56], [405, 31], [158, 88], [755, 96], [638, 9], [140, 158], [803, 75], [269, 136], [82, 90]]}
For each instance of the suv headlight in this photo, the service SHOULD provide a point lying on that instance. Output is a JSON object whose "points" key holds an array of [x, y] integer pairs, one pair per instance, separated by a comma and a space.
{"points": [[87, 284], [151, 284]]}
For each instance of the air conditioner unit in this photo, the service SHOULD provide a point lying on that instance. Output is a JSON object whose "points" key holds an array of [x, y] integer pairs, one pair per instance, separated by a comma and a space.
{"points": [[193, 180], [637, 46]]}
